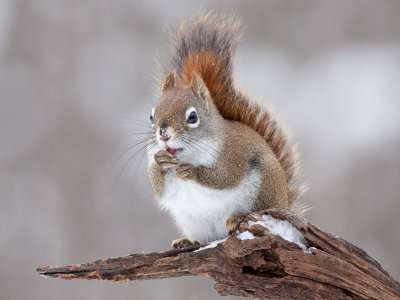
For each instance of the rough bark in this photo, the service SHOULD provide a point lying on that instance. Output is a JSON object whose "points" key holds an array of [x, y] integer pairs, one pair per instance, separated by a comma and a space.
{"points": [[267, 267]]}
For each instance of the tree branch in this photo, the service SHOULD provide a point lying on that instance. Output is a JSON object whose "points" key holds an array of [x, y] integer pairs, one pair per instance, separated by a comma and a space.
{"points": [[265, 267]]}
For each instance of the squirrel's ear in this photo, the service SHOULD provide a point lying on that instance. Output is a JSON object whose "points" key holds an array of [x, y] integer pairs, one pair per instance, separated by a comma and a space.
{"points": [[169, 81], [199, 88]]}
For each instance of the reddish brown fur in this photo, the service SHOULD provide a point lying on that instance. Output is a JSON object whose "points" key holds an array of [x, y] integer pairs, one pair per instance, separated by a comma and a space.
{"points": [[206, 47]]}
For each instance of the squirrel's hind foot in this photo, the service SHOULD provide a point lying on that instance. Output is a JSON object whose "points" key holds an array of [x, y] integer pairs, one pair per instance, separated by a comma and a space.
{"points": [[183, 243], [232, 224]]}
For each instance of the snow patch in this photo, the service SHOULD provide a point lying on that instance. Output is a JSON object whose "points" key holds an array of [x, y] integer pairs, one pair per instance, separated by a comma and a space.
{"points": [[276, 227], [245, 235], [284, 229], [213, 244], [311, 250]]}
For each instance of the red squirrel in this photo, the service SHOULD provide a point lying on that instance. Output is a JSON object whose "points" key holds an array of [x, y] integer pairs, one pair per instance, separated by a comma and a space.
{"points": [[216, 154]]}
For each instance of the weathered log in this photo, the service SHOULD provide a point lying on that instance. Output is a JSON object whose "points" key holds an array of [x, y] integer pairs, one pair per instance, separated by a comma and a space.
{"points": [[265, 267]]}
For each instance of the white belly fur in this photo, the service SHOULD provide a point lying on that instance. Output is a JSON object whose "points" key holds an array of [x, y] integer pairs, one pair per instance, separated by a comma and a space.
{"points": [[200, 213]]}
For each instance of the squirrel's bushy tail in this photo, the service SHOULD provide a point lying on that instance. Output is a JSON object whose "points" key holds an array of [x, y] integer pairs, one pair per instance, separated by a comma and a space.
{"points": [[206, 46]]}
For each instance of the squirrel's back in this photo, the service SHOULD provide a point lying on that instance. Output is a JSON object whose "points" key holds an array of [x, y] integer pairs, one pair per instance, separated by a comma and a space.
{"points": [[206, 47]]}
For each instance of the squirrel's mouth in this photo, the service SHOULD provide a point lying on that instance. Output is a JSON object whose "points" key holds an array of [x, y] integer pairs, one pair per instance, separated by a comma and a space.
{"points": [[174, 151]]}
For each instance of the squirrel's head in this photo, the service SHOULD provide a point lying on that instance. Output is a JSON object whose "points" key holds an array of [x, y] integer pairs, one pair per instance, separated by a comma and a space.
{"points": [[185, 119]]}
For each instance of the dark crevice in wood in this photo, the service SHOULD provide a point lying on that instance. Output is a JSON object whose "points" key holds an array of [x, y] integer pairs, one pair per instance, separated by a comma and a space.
{"points": [[263, 273]]}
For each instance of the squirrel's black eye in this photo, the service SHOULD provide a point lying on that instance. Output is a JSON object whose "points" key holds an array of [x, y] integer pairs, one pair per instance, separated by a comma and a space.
{"points": [[192, 118], [151, 119]]}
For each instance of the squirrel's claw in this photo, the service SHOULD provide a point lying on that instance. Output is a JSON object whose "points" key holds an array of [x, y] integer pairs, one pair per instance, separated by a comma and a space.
{"points": [[185, 171], [183, 243], [165, 159]]}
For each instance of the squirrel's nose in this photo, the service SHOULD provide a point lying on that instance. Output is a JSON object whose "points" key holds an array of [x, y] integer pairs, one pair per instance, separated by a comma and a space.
{"points": [[163, 134]]}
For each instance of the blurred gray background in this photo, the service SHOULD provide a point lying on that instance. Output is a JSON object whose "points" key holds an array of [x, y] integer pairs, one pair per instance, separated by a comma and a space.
{"points": [[75, 75]]}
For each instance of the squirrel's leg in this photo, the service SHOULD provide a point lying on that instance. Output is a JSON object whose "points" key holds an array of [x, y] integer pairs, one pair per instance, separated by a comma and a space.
{"points": [[164, 161], [272, 193], [183, 243], [232, 224]]}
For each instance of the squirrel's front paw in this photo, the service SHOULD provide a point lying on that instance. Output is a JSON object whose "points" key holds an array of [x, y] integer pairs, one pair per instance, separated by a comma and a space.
{"points": [[165, 159], [183, 243], [185, 171]]}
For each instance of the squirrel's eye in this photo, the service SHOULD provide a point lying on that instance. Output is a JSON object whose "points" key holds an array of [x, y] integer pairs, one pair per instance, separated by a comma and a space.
{"points": [[151, 119], [192, 118]]}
